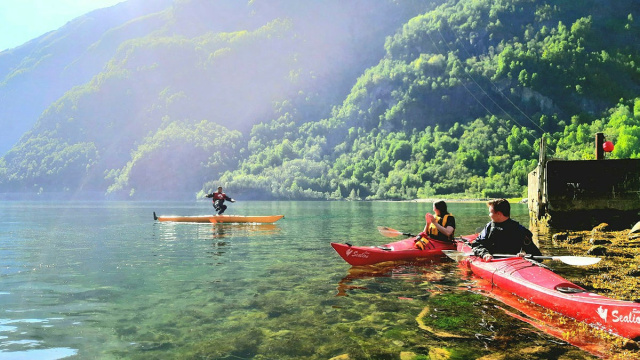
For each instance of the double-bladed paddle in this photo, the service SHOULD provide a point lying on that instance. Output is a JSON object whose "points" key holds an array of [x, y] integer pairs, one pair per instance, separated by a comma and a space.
{"points": [[389, 232], [569, 260]]}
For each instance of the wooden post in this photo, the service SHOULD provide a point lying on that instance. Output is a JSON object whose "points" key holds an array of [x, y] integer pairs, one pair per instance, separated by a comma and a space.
{"points": [[599, 149], [542, 176]]}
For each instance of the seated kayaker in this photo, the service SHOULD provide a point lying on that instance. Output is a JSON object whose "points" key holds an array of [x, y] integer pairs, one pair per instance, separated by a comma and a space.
{"points": [[439, 227], [503, 235]]}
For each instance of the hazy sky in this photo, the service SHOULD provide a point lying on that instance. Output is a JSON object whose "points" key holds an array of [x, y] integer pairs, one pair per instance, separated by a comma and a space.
{"points": [[23, 20]]}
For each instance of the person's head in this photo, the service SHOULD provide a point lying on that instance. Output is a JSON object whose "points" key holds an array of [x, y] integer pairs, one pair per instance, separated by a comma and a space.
{"points": [[219, 189], [440, 208], [499, 210]]}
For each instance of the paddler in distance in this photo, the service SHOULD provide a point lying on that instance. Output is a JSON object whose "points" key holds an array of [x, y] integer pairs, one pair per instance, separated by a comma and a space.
{"points": [[440, 227], [218, 200], [503, 235]]}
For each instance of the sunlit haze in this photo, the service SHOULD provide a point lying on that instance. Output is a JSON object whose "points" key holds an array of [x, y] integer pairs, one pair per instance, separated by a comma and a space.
{"points": [[23, 20]]}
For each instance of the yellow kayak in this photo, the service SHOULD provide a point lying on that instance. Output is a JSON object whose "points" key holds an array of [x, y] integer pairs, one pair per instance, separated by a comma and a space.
{"points": [[219, 218]]}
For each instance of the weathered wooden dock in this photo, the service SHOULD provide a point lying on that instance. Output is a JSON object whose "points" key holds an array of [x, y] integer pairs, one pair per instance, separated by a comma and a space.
{"points": [[580, 194]]}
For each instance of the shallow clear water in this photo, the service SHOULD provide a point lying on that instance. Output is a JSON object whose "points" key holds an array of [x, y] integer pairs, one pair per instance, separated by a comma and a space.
{"points": [[105, 281]]}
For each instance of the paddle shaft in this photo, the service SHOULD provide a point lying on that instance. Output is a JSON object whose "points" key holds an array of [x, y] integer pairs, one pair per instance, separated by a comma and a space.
{"points": [[536, 257], [390, 232], [569, 260]]}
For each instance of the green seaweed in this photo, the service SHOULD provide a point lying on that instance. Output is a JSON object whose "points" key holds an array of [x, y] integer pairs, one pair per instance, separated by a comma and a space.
{"points": [[451, 312]]}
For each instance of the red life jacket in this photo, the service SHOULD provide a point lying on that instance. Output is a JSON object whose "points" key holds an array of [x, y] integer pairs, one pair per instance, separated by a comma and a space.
{"points": [[219, 196]]}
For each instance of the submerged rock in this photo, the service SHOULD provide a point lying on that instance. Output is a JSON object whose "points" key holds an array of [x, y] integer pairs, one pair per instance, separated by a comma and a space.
{"points": [[560, 236], [341, 357], [630, 345], [634, 272], [439, 354], [596, 241], [597, 250], [574, 239], [408, 355], [601, 228]]}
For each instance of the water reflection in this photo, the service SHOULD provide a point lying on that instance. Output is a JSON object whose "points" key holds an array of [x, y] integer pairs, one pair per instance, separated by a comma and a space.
{"points": [[112, 283], [172, 231], [423, 269], [448, 297], [179, 240], [564, 329], [224, 230]]}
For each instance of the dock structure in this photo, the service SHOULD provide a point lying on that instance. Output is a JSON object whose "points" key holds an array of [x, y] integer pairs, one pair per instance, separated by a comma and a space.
{"points": [[580, 194]]}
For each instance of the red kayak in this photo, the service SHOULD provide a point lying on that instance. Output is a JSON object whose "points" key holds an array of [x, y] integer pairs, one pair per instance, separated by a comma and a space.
{"points": [[542, 286], [395, 251]]}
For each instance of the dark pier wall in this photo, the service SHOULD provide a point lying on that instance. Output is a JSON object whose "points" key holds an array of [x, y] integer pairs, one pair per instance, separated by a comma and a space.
{"points": [[585, 193]]}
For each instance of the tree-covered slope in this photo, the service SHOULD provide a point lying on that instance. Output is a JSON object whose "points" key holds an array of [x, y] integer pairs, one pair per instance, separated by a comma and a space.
{"points": [[37, 73], [304, 100], [458, 102], [213, 65]]}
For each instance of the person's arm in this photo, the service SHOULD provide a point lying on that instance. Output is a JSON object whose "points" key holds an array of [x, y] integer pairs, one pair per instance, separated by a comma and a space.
{"points": [[228, 198], [428, 217], [445, 230], [478, 245]]}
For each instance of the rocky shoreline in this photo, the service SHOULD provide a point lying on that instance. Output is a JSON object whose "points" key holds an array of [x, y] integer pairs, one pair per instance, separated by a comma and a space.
{"points": [[618, 274]]}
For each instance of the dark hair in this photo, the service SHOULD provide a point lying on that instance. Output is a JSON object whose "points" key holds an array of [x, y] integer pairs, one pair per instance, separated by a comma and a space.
{"points": [[501, 205], [442, 206]]}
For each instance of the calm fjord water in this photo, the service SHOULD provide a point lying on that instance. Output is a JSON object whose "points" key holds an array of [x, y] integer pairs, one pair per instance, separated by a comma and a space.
{"points": [[85, 280]]}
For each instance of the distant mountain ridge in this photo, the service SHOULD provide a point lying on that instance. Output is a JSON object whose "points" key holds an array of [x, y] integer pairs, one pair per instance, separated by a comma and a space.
{"points": [[222, 62], [37, 73], [282, 99]]}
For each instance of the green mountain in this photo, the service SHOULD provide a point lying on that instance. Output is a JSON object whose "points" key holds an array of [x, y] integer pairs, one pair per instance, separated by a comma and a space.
{"points": [[38, 73], [307, 100], [458, 104]]}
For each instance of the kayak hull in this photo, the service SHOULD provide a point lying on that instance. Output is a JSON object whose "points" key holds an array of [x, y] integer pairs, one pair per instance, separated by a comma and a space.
{"points": [[396, 251], [542, 286], [220, 218]]}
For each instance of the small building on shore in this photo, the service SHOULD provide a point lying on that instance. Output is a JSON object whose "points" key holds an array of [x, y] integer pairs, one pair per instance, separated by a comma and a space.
{"points": [[580, 194]]}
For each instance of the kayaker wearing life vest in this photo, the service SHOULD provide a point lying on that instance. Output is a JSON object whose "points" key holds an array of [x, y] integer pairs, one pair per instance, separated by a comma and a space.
{"points": [[439, 227], [218, 200], [503, 235]]}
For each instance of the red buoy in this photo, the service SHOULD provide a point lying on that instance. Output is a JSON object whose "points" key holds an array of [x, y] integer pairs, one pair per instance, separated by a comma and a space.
{"points": [[607, 146]]}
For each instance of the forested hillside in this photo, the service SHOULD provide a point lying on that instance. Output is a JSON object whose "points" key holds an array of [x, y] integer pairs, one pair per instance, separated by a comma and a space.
{"points": [[183, 87], [458, 104], [301, 100], [36, 74]]}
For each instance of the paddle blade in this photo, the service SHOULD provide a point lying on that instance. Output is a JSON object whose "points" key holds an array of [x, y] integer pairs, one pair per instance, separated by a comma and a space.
{"points": [[388, 232], [455, 255], [569, 260], [635, 228], [577, 260]]}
